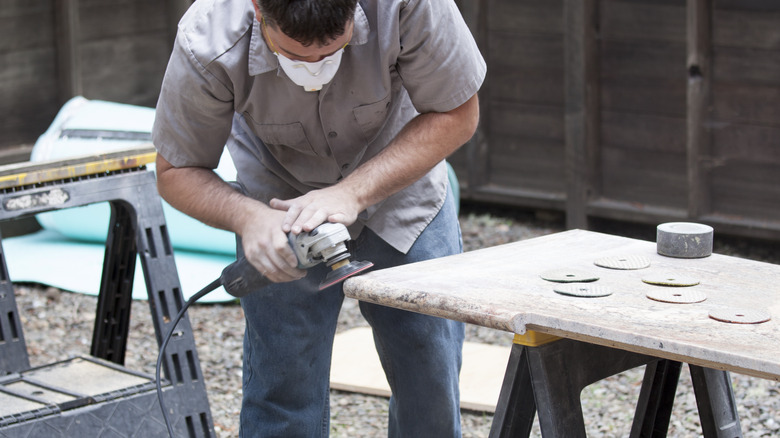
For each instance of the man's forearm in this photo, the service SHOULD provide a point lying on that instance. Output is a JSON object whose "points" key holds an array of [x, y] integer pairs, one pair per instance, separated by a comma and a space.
{"points": [[425, 141], [202, 194]]}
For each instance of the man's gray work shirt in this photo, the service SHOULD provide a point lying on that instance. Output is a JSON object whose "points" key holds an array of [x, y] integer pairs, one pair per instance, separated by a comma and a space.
{"points": [[224, 86]]}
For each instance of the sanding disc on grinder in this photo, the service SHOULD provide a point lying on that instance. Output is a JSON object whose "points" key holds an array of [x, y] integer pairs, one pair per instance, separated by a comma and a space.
{"points": [[342, 273]]}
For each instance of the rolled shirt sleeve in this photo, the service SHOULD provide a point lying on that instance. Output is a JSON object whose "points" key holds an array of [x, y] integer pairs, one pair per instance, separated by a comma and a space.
{"points": [[195, 109], [439, 61]]}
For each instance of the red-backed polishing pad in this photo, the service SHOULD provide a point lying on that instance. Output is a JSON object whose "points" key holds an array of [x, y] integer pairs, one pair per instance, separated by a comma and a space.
{"points": [[340, 274]]}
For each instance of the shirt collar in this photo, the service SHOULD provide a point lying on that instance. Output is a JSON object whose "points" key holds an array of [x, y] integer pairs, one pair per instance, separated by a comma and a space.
{"points": [[262, 59]]}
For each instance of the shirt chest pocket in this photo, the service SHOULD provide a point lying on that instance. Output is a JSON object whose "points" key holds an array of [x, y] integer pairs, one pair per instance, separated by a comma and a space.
{"points": [[372, 117], [281, 137]]}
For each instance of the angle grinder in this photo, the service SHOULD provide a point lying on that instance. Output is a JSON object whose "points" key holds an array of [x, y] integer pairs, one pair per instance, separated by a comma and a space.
{"points": [[324, 244]]}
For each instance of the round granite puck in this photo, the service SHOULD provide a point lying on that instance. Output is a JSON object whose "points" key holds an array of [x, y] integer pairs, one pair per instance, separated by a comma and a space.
{"points": [[684, 240]]}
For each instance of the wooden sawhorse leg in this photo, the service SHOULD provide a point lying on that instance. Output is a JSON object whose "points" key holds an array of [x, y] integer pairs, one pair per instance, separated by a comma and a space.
{"points": [[654, 407], [546, 374], [714, 399]]}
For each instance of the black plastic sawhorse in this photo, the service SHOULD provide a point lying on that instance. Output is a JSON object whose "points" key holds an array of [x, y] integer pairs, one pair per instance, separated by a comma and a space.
{"points": [[137, 228], [546, 375]]}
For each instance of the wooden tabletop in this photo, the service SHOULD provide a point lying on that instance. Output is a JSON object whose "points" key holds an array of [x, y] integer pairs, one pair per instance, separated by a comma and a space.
{"points": [[501, 287]]}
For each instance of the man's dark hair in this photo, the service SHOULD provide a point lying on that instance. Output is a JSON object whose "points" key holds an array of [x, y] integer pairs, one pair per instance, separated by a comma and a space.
{"points": [[308, 21]]}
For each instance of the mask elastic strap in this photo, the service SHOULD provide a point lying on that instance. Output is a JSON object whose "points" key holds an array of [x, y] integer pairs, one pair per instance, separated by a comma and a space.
{"points": [[265, 30]]}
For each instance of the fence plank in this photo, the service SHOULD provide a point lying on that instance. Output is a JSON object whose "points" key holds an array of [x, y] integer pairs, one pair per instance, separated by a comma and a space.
{"points": [[66, 17], [699, 86], [581, 109]]}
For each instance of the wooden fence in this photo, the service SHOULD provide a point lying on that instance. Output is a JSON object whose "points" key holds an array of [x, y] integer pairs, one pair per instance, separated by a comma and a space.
{"points": [[52, 50], [641, 110], [638, 110]]}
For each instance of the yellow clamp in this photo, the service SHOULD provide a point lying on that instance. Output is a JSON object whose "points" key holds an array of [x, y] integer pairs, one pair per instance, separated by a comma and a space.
{"points": [[534, 339]]}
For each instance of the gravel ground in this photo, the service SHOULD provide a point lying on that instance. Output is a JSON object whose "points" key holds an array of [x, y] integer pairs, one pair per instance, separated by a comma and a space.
{"points": [[58, 325]]}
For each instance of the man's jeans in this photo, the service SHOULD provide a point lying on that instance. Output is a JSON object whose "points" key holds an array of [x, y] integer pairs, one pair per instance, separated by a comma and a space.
{"points": [[289, 338]]}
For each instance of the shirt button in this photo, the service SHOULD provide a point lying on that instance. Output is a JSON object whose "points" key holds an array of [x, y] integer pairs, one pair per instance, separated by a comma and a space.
{"points": [[345, 166], [333, 134]]}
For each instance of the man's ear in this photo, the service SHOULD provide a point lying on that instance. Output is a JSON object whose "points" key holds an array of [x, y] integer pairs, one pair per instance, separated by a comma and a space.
{"points": [[257, 9]]}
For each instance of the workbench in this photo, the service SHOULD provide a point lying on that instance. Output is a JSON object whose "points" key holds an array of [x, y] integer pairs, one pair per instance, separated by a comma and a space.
{"points": [[565, 342], [95, 394]]}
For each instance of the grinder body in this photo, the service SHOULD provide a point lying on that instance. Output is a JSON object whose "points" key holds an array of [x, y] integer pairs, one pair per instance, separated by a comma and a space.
{"points": [[324, 244]]}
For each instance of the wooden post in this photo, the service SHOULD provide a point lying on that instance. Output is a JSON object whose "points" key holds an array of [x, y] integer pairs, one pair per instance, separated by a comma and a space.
{"points": [[478, 171], [581, 108], [177, 8], [699, 13], [66, 17]]}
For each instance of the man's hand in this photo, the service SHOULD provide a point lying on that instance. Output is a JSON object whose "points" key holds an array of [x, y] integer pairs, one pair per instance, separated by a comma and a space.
{"points": [[424, 142], [200, 193], [266, 247], [307, 212]]}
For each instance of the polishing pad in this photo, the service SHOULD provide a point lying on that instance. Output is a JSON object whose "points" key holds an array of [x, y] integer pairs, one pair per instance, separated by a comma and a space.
{"points": [[343, 272]]}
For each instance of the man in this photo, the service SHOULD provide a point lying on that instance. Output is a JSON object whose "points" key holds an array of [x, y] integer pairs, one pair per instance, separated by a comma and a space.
{"points": [[332, 111]]}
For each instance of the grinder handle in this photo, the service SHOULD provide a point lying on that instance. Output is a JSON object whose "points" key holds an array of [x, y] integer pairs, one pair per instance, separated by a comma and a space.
{"points": [[240, 278]]}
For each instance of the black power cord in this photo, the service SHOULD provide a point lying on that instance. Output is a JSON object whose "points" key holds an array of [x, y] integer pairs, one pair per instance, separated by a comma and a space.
{"points": [[213, 285], [239, 279]]}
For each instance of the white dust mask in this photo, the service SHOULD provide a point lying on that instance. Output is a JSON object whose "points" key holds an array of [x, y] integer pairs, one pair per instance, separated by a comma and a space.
{"points": [[311, 75]]}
